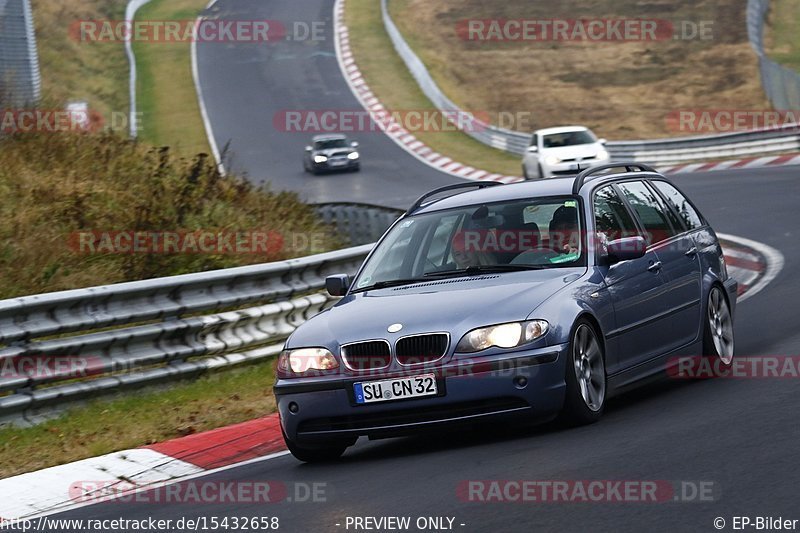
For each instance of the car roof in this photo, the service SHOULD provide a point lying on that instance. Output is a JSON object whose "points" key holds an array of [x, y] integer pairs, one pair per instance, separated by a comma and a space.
{"points": [[329, 137], [560, 129], [527, 189]]}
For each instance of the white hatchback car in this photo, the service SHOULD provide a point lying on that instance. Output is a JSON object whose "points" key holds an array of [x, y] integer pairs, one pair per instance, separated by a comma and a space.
{"points": [[563, 151]]}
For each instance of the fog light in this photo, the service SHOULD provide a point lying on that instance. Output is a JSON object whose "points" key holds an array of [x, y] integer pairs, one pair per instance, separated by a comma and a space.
{"points": [[521, 382], [293, 408]]}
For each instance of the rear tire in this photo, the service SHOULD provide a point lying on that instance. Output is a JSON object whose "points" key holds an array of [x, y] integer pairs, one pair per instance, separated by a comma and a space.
{"points": [[317, 454], [585, 377], [718, 329]]}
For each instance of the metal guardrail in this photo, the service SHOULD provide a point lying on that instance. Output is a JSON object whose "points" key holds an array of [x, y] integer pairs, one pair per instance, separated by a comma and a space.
{"points": [[360, 223], [20, 80], [657, 152], [781, 84], [105, 339]]}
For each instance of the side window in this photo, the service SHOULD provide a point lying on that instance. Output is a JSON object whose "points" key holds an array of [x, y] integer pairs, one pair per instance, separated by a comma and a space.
{"points": [[651, 212], [690, 217], [534, 140], [611, 218]]}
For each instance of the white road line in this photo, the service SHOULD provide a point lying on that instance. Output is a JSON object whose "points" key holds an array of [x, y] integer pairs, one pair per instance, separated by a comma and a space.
{"points": [[773, 257], [201, 101]]}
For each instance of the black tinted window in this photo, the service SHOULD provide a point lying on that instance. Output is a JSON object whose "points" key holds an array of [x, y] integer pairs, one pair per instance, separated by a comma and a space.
{"points": [[649, 209], [611, 217], [689, 216]]}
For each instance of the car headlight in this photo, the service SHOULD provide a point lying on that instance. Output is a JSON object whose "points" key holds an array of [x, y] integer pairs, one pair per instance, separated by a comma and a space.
{"points": [[304, 359], [320, 158], [352, 155], [508, 335], [552, 160], [602, 154]]}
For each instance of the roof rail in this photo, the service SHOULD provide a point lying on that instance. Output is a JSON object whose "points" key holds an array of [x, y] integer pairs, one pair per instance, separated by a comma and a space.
{"points": [[629, 167], [478, 184]]}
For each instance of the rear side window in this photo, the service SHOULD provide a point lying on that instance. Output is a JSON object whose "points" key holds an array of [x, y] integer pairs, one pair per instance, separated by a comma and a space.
{"points": [[689, 216], [651, 212], [611, 217]]}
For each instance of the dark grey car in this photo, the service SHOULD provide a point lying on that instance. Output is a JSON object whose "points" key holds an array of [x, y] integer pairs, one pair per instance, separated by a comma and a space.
{"points": [[331, 152], [527, 300]]}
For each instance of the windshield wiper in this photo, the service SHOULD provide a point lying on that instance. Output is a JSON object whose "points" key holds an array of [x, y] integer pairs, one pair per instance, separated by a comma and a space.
{"points": [[388, 283], [483, 269]]}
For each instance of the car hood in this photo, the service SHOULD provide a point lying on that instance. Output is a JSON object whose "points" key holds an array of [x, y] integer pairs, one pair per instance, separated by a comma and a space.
{"points": [[575, 151], [330, 151], [454, 305]]}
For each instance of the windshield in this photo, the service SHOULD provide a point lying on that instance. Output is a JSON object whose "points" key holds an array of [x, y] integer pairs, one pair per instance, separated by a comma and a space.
{"points": [[569, 138], [514, 235], [330, 143]]}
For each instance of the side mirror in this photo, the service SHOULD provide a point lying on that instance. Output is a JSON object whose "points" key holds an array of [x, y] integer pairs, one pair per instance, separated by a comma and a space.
{"points": [[532, 149], [308, 148], [625, 249], [354, 144], [602, 141], [338, 284]]}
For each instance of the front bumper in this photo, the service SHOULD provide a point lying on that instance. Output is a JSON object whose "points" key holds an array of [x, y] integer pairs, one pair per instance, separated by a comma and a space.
{"points": [[570, 168], [469, 390], [329, 166]]}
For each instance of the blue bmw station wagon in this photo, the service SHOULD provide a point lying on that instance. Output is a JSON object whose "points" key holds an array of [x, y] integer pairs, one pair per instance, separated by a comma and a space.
{"points": [[523, 301]]}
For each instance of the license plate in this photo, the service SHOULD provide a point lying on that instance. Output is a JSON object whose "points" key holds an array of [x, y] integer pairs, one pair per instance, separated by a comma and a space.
{"points": [[574, 166], [338, 163], [396, 389]]}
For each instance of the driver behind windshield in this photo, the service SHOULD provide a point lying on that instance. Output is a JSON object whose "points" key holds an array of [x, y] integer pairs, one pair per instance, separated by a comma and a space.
{"points": [[564, 231], [466, 256]]}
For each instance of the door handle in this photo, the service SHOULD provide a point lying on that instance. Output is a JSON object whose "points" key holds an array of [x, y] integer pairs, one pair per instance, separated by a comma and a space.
{"points": [[691, 252], [655, 267]]}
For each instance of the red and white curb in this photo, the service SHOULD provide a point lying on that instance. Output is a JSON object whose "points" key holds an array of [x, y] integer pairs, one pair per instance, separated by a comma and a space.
{"points": [[427, 155], [753, 264], [120, 474], [386, 123], [754, 162]]}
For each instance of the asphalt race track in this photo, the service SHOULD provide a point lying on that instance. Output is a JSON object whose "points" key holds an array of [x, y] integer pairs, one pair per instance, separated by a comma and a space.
{"points": [[246, 86], [742, 435]]}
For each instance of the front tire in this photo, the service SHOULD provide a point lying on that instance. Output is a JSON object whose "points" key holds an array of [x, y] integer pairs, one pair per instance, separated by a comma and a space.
{"points": [[320, 454], [541, 171], [718, 329], [525, 173], [585, 377]]}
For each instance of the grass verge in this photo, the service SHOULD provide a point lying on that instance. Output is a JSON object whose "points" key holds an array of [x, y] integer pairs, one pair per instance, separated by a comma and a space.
{"points": [[623, 89], [388, 77], [56, 187], [166, 93], [74, 69], [783, 33], [103, 426]]}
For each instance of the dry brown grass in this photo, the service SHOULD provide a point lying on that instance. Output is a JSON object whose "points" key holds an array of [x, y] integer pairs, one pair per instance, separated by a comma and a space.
{"points": [[73, 70], [55, 184], [622, 90]]}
